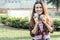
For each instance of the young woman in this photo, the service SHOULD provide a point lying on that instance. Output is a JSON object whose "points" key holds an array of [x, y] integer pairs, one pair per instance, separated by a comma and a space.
{"points": [[40, 27]]}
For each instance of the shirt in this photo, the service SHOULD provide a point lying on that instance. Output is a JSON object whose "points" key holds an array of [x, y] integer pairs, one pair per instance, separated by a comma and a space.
{"points": [[41, 27]]}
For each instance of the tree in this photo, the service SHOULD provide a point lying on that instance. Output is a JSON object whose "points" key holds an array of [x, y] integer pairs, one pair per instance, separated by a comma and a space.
{"points": [[39, 0], [55, 2]]}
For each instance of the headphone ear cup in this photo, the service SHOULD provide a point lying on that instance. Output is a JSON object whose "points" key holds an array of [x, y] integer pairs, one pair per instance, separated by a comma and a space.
{"points": [[35, 15], [41, 16]]}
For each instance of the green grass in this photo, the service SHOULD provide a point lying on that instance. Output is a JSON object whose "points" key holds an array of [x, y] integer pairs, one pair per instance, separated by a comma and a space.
{"points": [[55, 36], [9, 33]]}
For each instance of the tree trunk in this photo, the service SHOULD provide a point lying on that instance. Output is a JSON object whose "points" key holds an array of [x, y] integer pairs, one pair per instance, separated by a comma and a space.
{"points": [[39, 0], [58, 9], [58, 6]]}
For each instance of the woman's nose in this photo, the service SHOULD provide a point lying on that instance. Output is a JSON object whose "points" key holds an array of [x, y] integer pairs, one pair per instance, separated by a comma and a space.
{"points": [[38, 8]]}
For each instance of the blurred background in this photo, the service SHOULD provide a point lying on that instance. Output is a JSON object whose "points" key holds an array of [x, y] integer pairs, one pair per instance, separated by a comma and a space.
{"points": [[12, 7], [15, 17]]}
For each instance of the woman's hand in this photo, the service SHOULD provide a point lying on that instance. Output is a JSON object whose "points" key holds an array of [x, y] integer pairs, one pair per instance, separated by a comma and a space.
{"points": [[36, 20], [48, 26], [44, 20], [36, 26]]}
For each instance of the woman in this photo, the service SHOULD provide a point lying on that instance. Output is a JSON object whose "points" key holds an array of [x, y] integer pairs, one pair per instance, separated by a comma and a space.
{"points": [[40, 27]]}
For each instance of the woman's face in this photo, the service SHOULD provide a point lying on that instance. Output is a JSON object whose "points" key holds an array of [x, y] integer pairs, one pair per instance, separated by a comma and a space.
{"points": [[38, 8]]}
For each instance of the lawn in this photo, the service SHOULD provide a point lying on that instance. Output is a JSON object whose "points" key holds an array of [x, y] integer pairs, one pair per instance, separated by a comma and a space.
{"points": [[9, 33]]}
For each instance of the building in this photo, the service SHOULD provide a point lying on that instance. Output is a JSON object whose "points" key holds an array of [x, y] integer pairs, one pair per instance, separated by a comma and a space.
{"points": [[20, 5], [6, 5]]}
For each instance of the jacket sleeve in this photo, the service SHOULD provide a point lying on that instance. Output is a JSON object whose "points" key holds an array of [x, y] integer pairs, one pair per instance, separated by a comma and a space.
{"points": [[30, 29]]}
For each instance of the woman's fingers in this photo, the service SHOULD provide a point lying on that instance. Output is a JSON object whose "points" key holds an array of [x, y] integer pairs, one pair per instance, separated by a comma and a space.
{"points": [[36, 20], [43, 20]]}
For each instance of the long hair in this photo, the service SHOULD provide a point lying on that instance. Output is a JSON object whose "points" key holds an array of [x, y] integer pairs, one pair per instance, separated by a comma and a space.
{"points": [[32, 22]]}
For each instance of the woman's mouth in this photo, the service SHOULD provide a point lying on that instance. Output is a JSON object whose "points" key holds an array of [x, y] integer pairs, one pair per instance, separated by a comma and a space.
{"points": [[39, 12]]}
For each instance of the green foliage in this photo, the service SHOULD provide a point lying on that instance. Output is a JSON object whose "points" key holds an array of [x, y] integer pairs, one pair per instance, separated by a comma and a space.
{"points": [[16, 22], [54, 2], [56, 23], [3, 20], [24, 23]]}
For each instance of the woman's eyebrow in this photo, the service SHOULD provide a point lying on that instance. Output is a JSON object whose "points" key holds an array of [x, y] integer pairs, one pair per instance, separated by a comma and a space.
{"points": [[39, 7]]}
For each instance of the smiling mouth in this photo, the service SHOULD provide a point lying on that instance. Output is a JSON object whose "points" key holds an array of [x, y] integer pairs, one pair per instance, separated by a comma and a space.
{"points": [[39, 11]]}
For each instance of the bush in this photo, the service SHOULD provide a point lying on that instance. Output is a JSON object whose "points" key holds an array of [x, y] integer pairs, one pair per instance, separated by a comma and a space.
{"points": [[56, 23], [16, 22], [25, 23], [3, 20]]}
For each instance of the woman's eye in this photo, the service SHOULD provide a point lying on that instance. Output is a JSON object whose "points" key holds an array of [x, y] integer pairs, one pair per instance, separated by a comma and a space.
{"points": [[36, 7], [40, 7]]}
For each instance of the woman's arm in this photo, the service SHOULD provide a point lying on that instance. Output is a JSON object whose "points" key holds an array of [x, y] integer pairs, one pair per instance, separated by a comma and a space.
{"points": [[50, 29], [35, 28], [36, 25]]}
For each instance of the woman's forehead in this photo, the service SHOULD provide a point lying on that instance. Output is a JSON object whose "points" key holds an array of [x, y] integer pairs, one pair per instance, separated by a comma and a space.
{"points": [[38, 5]]}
